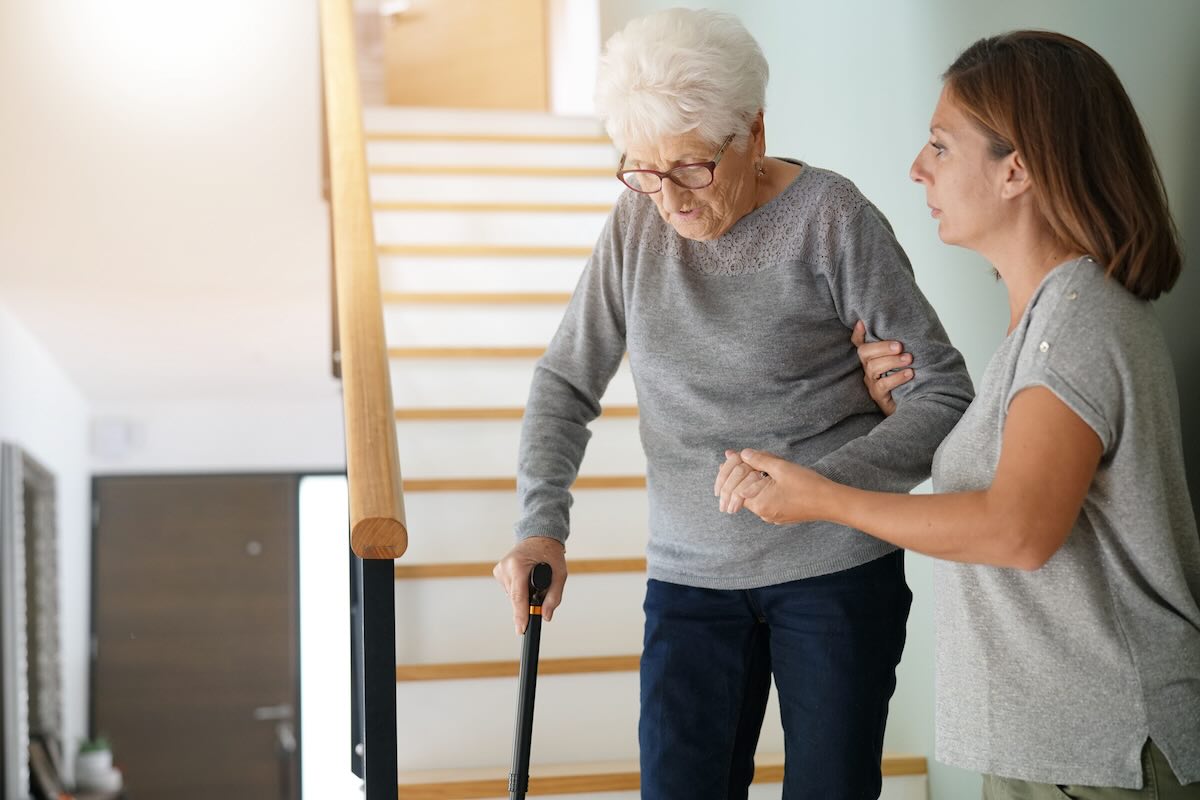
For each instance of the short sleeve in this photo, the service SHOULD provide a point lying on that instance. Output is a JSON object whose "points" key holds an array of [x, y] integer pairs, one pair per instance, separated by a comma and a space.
{"points": [[1075, 346]]}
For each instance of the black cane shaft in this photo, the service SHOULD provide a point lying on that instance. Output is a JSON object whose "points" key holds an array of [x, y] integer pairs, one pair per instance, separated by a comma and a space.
{"points": [[518, 779], [527, 690]]}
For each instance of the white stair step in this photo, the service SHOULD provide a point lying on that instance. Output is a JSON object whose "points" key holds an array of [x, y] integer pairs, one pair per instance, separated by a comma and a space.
{"points": [[478, 526], [465, 724], [459, 326], [469, 724], [494, 188], [462, 448], [471, 382], [432, 274], [382, 119], [441, 227], [601, 616], [532, 153]]}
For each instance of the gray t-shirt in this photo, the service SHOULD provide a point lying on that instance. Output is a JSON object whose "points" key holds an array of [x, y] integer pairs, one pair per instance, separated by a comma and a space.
{"points": [[1060, 675], [743, 341]]}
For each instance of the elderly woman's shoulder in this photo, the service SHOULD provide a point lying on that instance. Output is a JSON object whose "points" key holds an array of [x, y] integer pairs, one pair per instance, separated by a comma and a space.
{"points": [[833, 194]]}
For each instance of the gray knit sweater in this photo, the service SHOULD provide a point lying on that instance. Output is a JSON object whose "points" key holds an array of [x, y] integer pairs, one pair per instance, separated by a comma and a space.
{"points": [[743, 341]]}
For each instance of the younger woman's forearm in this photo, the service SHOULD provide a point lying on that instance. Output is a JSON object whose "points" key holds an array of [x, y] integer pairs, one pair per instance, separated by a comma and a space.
{"points": [[971, 527]]}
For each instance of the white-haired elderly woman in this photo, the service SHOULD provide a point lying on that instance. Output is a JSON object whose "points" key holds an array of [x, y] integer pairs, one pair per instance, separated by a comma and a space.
{"points": [[737, 282]]}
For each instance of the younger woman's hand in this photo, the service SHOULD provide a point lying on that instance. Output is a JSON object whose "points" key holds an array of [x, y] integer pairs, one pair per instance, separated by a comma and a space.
{"points": [[878, 360]]}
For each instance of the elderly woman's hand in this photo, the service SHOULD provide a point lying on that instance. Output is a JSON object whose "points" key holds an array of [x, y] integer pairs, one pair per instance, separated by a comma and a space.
{"points": [[512, 572], [773, 488], [878, 360]]}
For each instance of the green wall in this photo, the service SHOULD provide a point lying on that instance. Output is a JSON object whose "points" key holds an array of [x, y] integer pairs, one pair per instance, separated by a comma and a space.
{"points": [[852, 87]]}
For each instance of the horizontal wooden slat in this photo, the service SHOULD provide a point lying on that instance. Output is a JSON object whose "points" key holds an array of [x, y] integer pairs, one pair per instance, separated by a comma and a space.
{"points": [[493, 208], [517, 138], [506, 170], [485, 250], [466, 352], [483, 569], [602, 776], [478, 298], [515, 412], [470, 670], [510, 484]]}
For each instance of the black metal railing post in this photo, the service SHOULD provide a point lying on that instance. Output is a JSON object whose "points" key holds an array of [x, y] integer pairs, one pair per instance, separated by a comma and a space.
{"points": [[377, 611]]}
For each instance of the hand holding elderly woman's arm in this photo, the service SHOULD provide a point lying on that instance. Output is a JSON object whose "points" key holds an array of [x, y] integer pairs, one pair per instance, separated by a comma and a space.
{"points": [[885, 367]]}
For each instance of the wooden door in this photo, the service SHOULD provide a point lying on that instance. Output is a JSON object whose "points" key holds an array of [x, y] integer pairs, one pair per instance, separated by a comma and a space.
{"points": [[195, 675], [468, 54]]}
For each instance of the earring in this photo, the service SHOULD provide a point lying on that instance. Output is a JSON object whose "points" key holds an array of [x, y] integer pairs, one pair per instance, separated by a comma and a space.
{"points": [[758, 166]]}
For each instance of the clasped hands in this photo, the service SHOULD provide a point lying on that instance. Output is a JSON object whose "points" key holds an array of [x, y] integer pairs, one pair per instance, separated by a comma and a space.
{"points": [[775, 489]]}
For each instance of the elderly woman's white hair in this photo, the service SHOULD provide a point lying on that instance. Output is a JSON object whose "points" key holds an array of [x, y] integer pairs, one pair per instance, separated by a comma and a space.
{"points": [[678, 71]]}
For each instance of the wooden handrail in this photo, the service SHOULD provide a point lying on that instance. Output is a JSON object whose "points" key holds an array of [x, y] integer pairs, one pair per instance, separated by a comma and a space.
{"points": [[377, 523]]}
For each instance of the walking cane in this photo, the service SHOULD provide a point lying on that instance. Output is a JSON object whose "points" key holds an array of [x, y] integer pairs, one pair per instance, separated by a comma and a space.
{"points": [[518, 779]]}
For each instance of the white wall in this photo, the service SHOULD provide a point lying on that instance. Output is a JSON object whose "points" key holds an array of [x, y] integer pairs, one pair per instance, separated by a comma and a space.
{"points": [[43, 412], [852, 87], [220, 435]]}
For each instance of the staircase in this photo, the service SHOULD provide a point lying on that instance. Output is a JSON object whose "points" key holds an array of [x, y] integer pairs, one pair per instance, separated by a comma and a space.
{"points": [[484, 221]]}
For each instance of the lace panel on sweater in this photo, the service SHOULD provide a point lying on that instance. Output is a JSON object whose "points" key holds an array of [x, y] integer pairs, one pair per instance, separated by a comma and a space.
{"points": [[804, 223]]}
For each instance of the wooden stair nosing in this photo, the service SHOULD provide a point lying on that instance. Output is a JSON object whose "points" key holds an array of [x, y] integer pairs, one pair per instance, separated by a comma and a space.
{"points": [[510, 484], [491, 208], [483, 569], [467, 136], [471, 670], [498, 170], [476, 298], [485, 250], [513, 412], [612, 776], [466, 352]]}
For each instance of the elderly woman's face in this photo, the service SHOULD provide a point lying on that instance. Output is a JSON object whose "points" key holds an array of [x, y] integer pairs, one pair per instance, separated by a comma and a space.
{"points": [[700, 214]]}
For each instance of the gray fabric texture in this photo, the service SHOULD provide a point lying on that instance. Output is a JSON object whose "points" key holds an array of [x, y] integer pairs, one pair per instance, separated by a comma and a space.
{"points": [[743, 341], [1061, 674]]}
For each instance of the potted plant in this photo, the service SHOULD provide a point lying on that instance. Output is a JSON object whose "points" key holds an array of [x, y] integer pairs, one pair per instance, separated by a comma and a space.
{"points": [[94, 770]]}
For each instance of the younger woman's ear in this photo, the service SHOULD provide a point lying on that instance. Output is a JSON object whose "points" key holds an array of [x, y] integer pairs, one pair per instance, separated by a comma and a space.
{"points": [[1015, 176]]}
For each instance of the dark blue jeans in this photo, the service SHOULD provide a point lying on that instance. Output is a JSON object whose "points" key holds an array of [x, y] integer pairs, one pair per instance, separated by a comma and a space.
{"points": [[832, 643]]}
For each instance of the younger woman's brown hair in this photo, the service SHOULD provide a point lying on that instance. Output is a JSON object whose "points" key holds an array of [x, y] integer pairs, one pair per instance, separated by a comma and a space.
{"points": [[1061, 106]]}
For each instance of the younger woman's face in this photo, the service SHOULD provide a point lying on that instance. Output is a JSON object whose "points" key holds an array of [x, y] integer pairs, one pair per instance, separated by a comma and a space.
{"points": [[962, 178]]}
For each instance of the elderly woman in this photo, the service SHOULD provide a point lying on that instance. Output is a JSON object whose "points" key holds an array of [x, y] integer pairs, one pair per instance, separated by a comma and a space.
{"points": [[735, 282]]}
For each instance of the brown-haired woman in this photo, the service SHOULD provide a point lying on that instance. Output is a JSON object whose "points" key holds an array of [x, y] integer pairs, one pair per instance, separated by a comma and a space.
{"points": [[1068, 599]]}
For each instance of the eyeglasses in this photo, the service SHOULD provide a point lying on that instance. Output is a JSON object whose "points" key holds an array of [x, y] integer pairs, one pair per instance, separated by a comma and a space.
{"points": [[689, 176]]}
